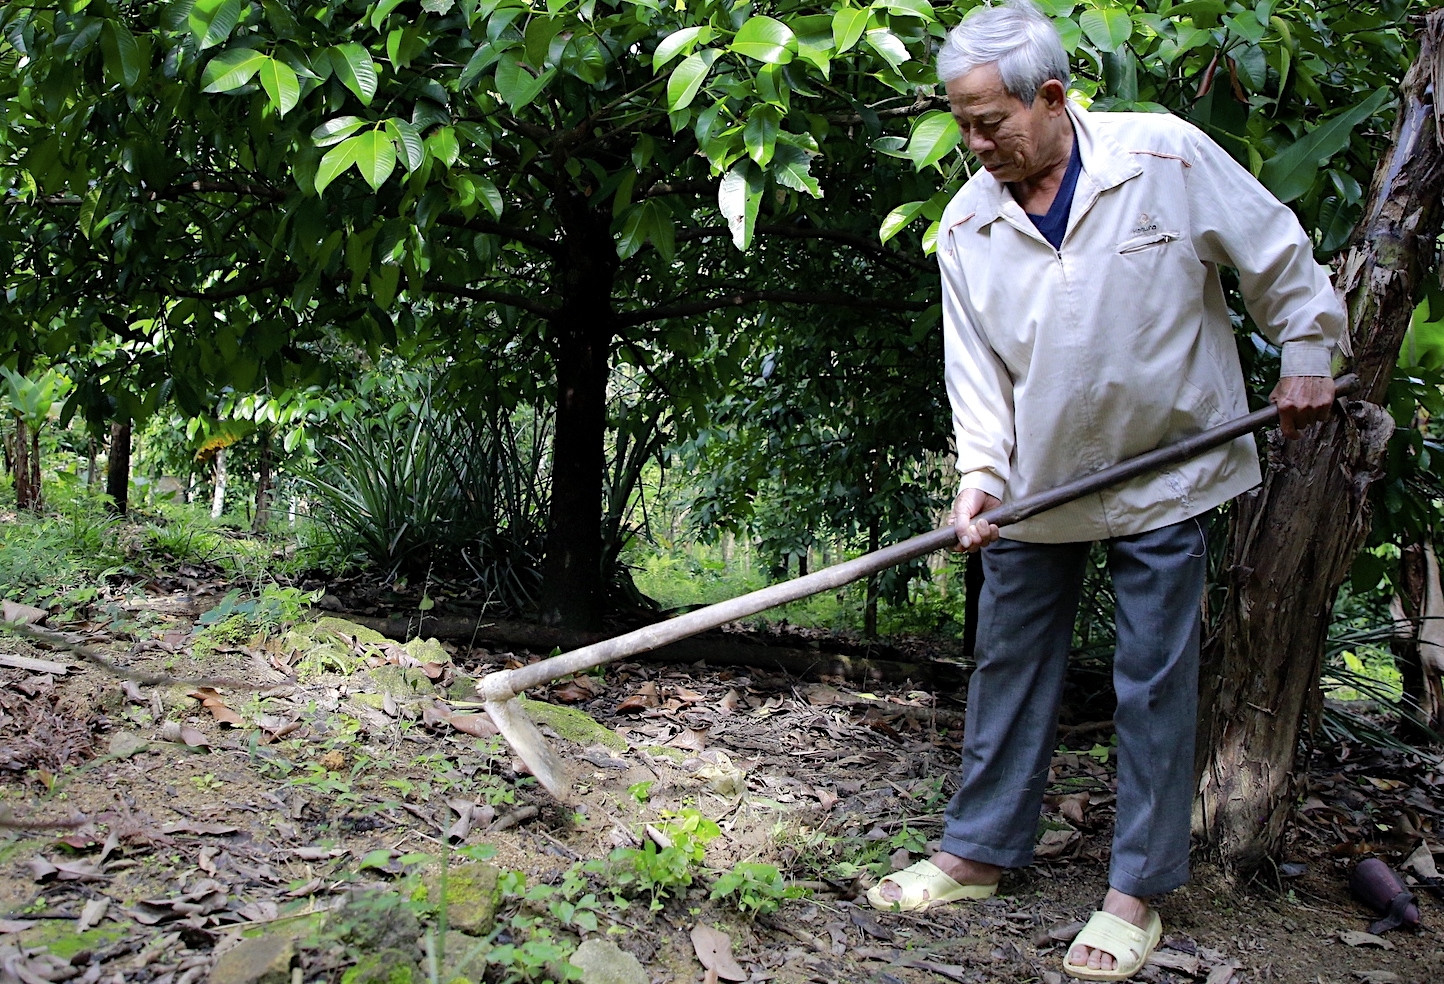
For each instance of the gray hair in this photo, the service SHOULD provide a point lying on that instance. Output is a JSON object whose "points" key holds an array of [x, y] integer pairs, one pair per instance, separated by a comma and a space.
{"points": [[1017, 37]]}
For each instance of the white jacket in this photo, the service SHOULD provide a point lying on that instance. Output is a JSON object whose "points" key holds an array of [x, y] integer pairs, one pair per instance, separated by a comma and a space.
{"points": [[1060, 363]]}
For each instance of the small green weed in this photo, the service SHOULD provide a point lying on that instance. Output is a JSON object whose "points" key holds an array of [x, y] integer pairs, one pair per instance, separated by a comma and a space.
{"points": [[759, 888], [661, 871]]}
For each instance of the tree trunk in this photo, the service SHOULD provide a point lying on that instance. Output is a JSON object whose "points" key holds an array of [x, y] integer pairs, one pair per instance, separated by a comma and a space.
{"points": [[262, 517], [27, 467], [117, 467], [1292, 542], [573, 590], [1418, 642], [869, 607], [218, 492], [91, 470]]}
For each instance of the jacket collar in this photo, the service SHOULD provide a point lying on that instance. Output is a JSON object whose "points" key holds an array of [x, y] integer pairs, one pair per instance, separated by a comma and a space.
{"points": [[1105, 165]]}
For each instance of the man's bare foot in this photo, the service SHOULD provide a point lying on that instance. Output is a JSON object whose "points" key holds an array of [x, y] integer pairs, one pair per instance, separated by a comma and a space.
{"points": [[960, 870], [1128, 907]]}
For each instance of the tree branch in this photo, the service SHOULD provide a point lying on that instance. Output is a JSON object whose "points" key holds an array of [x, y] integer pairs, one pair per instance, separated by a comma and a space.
{"points": [[746, 297], [477, 224], [204, 185], [864, 243], [228, 293], [488, 296]]}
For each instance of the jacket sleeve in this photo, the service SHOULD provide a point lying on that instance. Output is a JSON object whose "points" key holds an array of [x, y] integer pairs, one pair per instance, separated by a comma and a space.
{"points": [[979, 388], [1237, 222]]}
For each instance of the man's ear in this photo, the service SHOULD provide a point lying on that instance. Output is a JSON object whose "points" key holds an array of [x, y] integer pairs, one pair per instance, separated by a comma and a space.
{"points": [[1054, 95]]}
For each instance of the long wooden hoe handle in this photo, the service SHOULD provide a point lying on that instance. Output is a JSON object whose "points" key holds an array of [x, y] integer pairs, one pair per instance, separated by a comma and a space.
{"points": [[506, 684]]}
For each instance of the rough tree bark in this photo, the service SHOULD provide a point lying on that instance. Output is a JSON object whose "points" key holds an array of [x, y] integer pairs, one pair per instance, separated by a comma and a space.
{"points": [[117, 467], [1418, 643], [573, 589], [1292, 542], [262, 517], [218, 492], [27, 467]]}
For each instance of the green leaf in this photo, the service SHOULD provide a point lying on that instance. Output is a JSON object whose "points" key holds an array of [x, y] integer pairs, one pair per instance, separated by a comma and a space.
{"points": [[212, 21], [231, 69], [408, 142], [760, 134], [687, 78], [791, 168], [739, 198], [517, 86], [335, 130], [123, 59], [934, 136], [847, 27], [354, 67], [634, 232], [443, 145], [281, 85], [378, 16], [490, 197], [898, 219], [765, 39], [1107, 29], [913, 8], [889, 46], [1291, 172], [336, 161], [676, 43], [376, 158]]}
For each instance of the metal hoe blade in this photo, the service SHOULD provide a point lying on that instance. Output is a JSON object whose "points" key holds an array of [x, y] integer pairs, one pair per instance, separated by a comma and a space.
{"points": [[516, 726]]}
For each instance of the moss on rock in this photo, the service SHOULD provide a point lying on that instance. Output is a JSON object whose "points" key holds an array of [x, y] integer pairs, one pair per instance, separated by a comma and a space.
{"points": [[574, 725], [470, 896], [61, 940], [388, 966]]}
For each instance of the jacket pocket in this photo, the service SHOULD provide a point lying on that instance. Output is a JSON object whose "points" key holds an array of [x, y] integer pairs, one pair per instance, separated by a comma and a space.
{"points": [[1151, 240]]}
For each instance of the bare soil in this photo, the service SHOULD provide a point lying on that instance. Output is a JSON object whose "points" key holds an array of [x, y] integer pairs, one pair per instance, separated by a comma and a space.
{"points": [[190, 829]]}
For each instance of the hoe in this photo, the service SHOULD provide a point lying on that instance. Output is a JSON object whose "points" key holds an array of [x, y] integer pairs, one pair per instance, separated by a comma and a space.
{"points": [[499, 690]]}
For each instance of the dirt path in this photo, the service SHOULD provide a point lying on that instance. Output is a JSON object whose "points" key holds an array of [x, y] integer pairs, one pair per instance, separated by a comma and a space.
{"points": [[314, 813]]}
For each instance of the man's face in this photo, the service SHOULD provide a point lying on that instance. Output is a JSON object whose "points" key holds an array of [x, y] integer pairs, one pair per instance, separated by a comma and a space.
{"points": [[1011, 138]]}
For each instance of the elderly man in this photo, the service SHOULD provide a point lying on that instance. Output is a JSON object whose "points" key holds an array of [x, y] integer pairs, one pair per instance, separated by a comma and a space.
{"points": [[1085, 323]]}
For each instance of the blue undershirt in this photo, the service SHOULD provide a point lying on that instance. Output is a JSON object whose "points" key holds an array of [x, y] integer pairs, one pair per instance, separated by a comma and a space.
{"points": [[1055, 223]]}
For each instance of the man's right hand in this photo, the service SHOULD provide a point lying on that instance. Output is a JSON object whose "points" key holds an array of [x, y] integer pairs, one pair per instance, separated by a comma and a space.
{"points": [[969, 503]]}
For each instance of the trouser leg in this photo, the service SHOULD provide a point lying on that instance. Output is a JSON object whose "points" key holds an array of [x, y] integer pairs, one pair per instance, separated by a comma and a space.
{"points": [[1158, 580], [1030, 598]]}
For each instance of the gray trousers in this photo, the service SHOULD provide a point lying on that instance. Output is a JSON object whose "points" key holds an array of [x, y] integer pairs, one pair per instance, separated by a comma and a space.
{"points": [[1026, 615]]}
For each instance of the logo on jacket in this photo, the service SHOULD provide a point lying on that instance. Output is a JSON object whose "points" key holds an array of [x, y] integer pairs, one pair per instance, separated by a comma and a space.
{"points": [[1146, 223]]}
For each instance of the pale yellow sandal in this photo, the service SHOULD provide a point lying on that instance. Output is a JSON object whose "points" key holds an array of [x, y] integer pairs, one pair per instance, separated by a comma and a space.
{"points": [[924, 884], [1126, 943]]}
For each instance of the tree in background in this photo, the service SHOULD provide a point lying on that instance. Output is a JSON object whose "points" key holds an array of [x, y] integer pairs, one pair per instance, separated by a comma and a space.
{"points": [[223, 182]]}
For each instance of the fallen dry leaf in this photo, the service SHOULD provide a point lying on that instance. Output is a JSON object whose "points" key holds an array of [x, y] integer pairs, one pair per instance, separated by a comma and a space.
{"points": [[1054, 843], [184, 734], [636, 704], [1421, 862], [1071, 805], [13, 611], [689, 739], [1359, 938], [1223, 973], [44, 871], [92, 914], [200, 829], [213, 702], [476, 725], [571, 692], [714, 952]]}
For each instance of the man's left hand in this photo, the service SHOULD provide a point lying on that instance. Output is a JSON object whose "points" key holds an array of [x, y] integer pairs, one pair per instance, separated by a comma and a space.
{"points": [[1302, 401]]}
